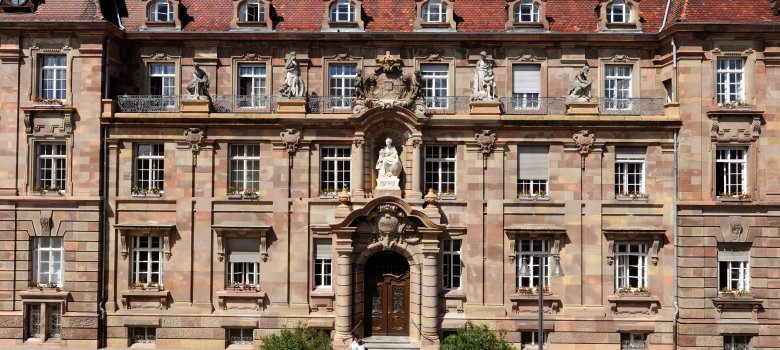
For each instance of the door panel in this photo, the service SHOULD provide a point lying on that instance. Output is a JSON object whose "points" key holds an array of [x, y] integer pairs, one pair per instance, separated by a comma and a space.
{"points": [[389, 306]]}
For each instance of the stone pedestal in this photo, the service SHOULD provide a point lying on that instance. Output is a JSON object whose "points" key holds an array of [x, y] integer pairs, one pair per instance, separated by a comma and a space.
{"points": [[484, 107], [195, 104], [288, 106], [387, 186], [672, 109], [582, 108]]}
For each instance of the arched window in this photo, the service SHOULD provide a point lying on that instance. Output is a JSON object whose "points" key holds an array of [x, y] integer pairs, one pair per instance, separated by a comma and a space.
{"points": [[161, 11], [618, 12], [527, 11], [434, 11], [342, 11], [252, 11]]}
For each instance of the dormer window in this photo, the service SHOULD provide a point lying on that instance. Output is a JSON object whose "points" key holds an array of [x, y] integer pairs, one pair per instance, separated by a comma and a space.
{"points": [[527, 12], [618, 12], [342, 11], [434, 11], [161, 11], [252, 11]]}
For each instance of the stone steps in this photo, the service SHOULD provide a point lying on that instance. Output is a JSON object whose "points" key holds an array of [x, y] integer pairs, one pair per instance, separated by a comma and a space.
{"points": [[389, 342]]}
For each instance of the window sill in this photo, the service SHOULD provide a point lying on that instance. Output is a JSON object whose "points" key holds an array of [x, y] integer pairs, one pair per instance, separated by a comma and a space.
{"points": [[438, 25], [35, 295], [328, 196], [534, 198], [243, 300], [529, 303], [621, 26], [738, 308], [55, 193], [448, 197], [631, 198], [144, 299], [323, 292], [332, 24], [527, 25], [734, 200], [251, 24], [146, 195], [453, 294], [236, 197], [634, 304]]}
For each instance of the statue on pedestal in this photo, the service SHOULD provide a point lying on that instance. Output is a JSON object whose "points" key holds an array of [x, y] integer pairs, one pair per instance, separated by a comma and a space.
{"points": [[580, 86], [484, 81], [199, 85], [388, 166], [293, 84]]}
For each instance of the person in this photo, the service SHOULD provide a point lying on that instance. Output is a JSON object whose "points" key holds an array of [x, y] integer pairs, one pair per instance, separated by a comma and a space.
{"points": [[355, 345], [361, 346], [388, 164]]}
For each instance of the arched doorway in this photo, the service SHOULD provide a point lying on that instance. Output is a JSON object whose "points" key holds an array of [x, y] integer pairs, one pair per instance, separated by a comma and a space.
{"points": [[387, 294]]}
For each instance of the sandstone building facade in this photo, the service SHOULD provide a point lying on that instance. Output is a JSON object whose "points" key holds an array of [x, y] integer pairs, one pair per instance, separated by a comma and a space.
{"points": [[194, 174]]}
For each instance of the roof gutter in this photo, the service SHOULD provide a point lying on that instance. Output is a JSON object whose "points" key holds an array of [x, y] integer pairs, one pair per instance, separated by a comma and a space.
{"points": [[663, 25]]}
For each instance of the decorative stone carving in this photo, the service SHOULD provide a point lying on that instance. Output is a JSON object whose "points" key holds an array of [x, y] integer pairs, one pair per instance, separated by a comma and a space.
{"points": [[735, 222], [388, 87], [160, 56], [388, 166], [584, 140], [484, 88], [486, 139], [293, 84], [48, 120], [755, 127], [390, 226], [715, 129], [433, 56], [290, 139], [580, 86], [194, 137], [46, 223], [198, 87], [726, 126]]}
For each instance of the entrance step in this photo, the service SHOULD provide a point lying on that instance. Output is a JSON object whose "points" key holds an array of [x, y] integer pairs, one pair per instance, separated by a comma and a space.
{"points": [[389, 342]]}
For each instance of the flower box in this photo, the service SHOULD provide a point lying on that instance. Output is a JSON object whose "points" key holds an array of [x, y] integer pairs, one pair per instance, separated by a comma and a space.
{"points": [[241, 290], [533, 197], [235, 196], [448, 197], [250, 196], [146, 287]]}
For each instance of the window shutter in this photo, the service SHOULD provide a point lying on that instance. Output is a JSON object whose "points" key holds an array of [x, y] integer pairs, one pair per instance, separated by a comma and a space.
{"points": [[323, 249], [733, 252], [630, 153], [526, 78], [533, 162], [244, 249]]}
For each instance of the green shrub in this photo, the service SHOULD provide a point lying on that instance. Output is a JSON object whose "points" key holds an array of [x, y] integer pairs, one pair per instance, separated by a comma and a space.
{"points": [[472, 337], [299, 338]]}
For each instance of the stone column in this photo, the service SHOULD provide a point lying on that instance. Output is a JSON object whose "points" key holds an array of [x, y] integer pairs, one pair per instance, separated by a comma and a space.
{"points": [[343, 294], [357, 167], [417, 170], [430, 294]]}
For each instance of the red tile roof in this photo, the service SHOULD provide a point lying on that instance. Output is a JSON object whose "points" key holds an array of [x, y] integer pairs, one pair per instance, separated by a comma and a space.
{"points": [[58, 10], [471, 15]]}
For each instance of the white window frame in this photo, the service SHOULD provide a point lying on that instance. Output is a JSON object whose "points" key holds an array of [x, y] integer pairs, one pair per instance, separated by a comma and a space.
{"points": [[435, 79], [51, 159], [248, 272], [245, 167], [434, 11], [629, 164], [528, 97], [148, 335], [452, 264], [618, 81], [240, 336], [54, 77], [48, 255], [166, 74], [439, 167], [252, 85], [633, 341], [161, 11], [335, 167], [737, 261], [257, 8], [736, 342], [623, 265], [730, 79], [528, 9], [342, 11], [323, 263], [342, 84], [527, 245], [151, 165], [532, 185], [147, 275], [731, 167], [618, 12], [534, 335]]}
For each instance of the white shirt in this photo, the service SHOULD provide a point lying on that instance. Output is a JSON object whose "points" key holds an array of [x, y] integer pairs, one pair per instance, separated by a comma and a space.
{"points": [[355, 346], [361, 347]]}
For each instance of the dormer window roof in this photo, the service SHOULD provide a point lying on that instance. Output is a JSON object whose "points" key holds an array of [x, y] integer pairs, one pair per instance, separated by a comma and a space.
{"points": [[251, 11], [434, 11], [161, 11], [618, 12], [342, 11], [526, 12]]}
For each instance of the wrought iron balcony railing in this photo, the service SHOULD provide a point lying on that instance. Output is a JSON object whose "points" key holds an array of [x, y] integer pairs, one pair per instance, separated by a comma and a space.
{"points": [[243, 104], [447, 105], [148, 103], [540, 105], [330, 104], [631, 106]]}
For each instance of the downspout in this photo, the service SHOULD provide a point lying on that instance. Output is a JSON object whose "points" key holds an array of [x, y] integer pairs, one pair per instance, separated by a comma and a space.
{"points": [[676, 265], [663, 25], [674, 74], [104, 204]]}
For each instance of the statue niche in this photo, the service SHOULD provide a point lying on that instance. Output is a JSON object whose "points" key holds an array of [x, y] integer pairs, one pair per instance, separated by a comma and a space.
{"points": [[388, 166], [388, 87]]}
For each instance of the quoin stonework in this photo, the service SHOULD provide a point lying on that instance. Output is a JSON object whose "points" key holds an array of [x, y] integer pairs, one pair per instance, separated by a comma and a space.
{"points": [[200, 174]]}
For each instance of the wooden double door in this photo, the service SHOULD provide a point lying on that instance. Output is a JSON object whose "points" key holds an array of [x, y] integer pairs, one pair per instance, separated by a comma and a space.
{"points": [[387, 289]]}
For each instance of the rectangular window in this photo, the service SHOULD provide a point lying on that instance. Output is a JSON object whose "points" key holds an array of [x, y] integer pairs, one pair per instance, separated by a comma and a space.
{"points": [[149, 166], [617, 87], [524, 246], [53, 318], [51, 168], [48, 260], [251, 86], [633, 341], [245, 167], [44, 315], [440, 169], [243, 262], [162, 78], [323, 257], [530, 340], [342, 84], [451, 263], [434, 77], [736, 342], [526, 86], [631, 265], [34, 320], [53, 77], [240, 336], [733, 267], [143, 335], [335, 168], [629, 171], [147, 263], [532, 176], [730, 171], [731, 80]]}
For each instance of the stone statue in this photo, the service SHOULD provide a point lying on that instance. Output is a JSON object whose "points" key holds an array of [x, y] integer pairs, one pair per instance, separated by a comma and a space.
{"points": [[199, 85], [580, 86], [293, 84], [484, 80], [388, 164], [360, 92]]}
